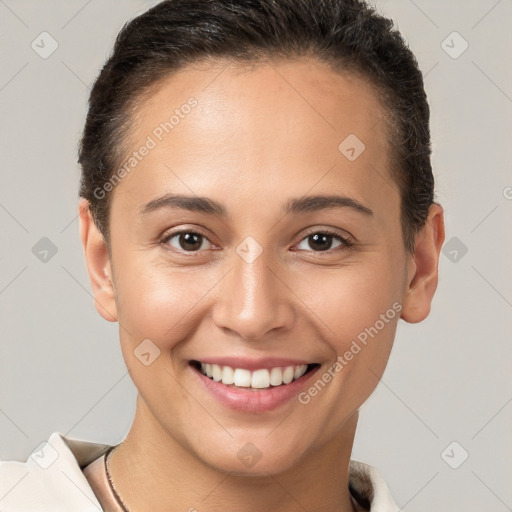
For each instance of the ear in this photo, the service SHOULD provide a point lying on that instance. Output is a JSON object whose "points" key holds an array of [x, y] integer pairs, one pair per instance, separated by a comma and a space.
{"points": [[98, 263], [423, 269]]}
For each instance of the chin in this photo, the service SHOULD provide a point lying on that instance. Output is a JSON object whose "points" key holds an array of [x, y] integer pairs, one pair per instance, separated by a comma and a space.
{"points": [[248, 459]]}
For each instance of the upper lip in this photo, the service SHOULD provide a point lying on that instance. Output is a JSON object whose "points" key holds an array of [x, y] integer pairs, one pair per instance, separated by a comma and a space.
{"points": [[253, 364]]}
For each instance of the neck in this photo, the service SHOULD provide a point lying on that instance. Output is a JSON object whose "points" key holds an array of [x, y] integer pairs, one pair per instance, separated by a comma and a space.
{"points": [[152, 471]]}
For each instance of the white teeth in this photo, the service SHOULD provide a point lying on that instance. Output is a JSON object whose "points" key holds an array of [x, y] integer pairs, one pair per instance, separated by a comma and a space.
{"points": [[216, 372], [242, 378], [303, 370], [228, 375], [276, 376], [258, 379], [298, 372], [288, 374]]}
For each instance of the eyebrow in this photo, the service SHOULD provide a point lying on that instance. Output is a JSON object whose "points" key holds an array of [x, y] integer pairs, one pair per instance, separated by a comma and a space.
{"points": [[212, 207]]}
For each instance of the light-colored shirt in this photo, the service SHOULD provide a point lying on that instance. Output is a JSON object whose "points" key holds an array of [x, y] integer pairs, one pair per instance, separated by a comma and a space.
{"points": [[67, 475]]}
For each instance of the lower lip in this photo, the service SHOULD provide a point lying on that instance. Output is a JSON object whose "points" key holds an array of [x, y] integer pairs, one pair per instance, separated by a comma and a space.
{"points": [[255, 401]]}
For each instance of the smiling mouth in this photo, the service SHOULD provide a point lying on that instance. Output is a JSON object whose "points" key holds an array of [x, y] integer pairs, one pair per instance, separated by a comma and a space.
{"points": [[263, 378]]}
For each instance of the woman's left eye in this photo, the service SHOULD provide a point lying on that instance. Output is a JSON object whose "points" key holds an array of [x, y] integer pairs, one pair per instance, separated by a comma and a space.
{"points": [[322, 241]]}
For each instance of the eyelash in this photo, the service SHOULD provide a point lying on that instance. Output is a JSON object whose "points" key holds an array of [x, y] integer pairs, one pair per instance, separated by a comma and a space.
{"points": [[346, 243]]}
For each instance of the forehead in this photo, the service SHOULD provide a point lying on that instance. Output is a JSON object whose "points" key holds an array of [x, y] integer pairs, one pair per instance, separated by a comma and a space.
{"points": [[221, 126]]}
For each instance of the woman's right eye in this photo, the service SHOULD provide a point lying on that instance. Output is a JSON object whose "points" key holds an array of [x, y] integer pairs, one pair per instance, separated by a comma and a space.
{"points": [[186, 241]]}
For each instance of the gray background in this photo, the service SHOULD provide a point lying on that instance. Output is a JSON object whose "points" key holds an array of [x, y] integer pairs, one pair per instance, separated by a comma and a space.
{"points": [[449, 378]]}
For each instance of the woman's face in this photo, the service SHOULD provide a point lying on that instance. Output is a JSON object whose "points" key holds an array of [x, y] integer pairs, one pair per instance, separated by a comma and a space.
{"points": [[265, 273]]}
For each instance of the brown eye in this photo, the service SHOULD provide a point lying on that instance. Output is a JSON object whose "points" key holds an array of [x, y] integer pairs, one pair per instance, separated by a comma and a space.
{"points": [[186, 241], [322, 241]]}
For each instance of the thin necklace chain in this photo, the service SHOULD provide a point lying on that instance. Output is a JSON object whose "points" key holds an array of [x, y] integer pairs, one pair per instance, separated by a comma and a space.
{"points": [[110, 483]]}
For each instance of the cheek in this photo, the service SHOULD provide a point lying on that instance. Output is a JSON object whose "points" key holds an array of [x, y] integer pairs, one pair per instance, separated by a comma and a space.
{"points": [[350, 300], [157, 302], [357, 311], [357, 315]]}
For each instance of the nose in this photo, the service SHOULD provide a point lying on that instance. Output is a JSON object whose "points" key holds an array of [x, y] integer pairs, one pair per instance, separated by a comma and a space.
{"points": [[254, 299]]}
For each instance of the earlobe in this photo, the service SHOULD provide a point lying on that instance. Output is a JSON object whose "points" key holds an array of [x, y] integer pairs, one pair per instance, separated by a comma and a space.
{"points": [[98, 264], [423, 274]]}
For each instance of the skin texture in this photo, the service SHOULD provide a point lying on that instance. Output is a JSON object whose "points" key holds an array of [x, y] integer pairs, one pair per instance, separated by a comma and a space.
{"points": [[259, 135]]}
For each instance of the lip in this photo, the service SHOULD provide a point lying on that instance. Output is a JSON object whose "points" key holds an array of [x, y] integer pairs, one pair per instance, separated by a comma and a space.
{"points": [[256, 401]]}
